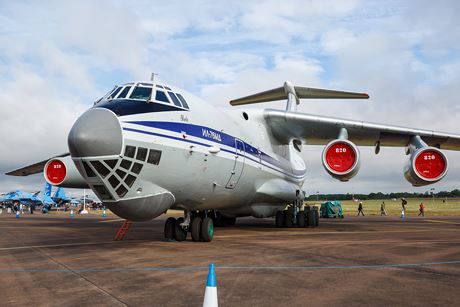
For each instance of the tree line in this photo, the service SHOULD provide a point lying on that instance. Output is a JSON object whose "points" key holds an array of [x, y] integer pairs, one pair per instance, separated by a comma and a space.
{"points": [[380, 195]]}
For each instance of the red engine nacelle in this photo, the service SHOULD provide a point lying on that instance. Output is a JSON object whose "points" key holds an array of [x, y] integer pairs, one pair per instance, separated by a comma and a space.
{"points": [[341, 159], [62, 172], [425, 166]]}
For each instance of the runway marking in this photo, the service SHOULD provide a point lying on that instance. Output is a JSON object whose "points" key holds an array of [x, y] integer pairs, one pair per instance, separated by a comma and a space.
{"points": [[109, 221], [64, 244], [444, 222], [227, 267], [291, 233]]}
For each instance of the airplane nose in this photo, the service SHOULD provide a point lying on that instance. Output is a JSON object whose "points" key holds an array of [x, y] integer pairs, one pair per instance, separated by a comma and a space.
{"points": [[97, 132]]}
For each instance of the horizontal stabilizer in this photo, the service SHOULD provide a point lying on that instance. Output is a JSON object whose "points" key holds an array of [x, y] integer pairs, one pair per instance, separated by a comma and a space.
{"points": [[34, 168], [300, 92]]}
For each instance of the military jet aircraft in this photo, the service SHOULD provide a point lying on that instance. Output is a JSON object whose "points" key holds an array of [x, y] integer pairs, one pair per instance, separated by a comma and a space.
{"points": [[22, 197], [147, 147]]}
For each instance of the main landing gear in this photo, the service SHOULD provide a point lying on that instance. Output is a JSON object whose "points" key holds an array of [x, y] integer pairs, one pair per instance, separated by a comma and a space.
{"points": [[199, 224], [293, 217]]}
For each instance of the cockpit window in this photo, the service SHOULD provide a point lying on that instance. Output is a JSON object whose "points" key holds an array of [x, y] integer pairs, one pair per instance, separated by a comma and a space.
{"points": [[161, 96], [142, 93], [182, 99], [114, 93], [124, 92], [174, 99]]}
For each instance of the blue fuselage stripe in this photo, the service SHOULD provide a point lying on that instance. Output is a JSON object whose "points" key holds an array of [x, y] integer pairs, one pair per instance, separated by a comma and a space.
{"points": [[224, 140]]}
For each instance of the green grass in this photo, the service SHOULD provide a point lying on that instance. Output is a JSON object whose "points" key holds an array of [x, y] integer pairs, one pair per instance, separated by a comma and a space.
{"points": [[432, 208]]}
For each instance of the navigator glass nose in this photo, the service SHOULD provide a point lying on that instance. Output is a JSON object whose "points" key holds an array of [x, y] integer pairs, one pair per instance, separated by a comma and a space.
{"points": [[97, 132]]}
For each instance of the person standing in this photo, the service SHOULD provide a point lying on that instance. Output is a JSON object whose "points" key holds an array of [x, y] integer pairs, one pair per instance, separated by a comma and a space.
{"points": [[403, 204], [421, 209], [382, 209], [360, 208]]}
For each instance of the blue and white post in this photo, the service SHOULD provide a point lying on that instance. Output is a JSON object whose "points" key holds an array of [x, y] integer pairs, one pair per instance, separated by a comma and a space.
{"points": [[210, 294]]}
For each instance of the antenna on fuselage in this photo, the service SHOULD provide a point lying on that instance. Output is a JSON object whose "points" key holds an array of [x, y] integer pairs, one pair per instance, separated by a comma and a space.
{"points": [[152, 76]]}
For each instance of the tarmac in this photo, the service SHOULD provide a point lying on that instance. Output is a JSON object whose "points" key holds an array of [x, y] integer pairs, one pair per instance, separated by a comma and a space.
{"points": [[55, 260]]}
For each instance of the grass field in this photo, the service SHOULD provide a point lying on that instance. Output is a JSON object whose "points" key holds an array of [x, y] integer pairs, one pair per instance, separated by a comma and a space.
{"points": [[371, 207], [432, 208]]}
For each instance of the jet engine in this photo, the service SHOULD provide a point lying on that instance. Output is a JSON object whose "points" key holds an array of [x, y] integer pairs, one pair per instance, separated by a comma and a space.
{"points": [[341, 159], [426, 165], [62, 172]]}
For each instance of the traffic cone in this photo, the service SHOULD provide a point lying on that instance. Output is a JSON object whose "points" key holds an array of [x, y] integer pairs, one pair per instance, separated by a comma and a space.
{"points": [[103, 213], [71, 213], [210, 294], [18, 215]]}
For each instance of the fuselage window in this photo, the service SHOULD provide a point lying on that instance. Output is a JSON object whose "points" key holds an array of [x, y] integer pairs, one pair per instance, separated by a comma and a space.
{"points": [[174, 99], [182, 99], [161, 96], [154, 157], [124, 92], [142, 93], [114, 93]]}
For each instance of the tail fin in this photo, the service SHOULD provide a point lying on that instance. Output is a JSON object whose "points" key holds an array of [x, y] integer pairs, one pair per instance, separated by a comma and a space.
{"points": [[47, 190], [60, 194], [296, 93]]}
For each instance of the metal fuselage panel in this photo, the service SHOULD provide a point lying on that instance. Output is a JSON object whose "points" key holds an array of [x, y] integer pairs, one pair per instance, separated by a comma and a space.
{"points": [[211, 158]]}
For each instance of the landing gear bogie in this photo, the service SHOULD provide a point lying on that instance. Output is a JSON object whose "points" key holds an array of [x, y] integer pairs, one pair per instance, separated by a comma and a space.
{"points": [[180, 234]]}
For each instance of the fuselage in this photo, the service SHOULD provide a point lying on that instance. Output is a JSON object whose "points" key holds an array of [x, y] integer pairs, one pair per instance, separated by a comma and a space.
{"points": [[144, 156]]}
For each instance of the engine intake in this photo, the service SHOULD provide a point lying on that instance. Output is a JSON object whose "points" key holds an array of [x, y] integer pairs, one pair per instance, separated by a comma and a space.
{"points": [[62, 172], [425, 166], [341, 159]]}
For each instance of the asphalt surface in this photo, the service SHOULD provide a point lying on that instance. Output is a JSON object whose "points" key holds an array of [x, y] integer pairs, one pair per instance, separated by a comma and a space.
{"points": [[55, 260]]}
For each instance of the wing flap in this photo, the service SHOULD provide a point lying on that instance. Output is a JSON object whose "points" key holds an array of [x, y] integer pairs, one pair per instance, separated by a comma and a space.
{"points": [[319, 130], [33, 168]]}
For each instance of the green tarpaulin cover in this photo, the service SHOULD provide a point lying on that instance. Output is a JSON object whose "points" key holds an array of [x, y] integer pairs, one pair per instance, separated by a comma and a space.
{"points": [[331, 209]]}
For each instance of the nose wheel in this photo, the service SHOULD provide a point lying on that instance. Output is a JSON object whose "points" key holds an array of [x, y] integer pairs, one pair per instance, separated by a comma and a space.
{"points": [[201, 229]]}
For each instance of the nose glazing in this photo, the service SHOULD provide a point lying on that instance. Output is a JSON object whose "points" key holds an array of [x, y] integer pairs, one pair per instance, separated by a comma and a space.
{"points": [[97, 132]]}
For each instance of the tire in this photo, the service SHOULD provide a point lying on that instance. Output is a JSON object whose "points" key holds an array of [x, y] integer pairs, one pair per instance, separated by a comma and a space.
{"points": [[207, 230], [301, 219], [279, 219], [288, 219], [179, 233], [316, 218], [170, 224], [310, 219], [196, 229]]}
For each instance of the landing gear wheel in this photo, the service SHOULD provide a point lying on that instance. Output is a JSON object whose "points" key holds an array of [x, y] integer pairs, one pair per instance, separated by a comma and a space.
{"points": [[180, 234], [301, 219], [207, 230], [288, 219], [196, 229], [316, 217], [170, 224], [279, 219], [311, 218]]}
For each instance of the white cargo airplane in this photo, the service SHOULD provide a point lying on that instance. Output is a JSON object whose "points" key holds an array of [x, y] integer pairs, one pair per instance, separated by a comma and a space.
{"points": [[146, 147]]}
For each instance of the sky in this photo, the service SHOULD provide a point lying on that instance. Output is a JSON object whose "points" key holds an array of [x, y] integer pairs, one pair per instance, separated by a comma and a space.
{"points": [[58, 57]]}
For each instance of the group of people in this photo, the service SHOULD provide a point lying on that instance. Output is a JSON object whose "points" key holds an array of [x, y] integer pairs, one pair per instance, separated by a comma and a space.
{"points": [[17, 207], [384, 212]]}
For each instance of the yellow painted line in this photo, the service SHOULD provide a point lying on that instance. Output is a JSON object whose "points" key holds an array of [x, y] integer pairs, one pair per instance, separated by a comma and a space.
{"points": [[109, 221], [444, 222]]}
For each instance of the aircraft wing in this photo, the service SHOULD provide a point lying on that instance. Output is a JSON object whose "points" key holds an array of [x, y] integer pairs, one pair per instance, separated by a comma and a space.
{"points": [[33, 168], [319, 130]]}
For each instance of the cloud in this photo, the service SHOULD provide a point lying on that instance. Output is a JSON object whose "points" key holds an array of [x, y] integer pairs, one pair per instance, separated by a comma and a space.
{"points": [[57, 58]]}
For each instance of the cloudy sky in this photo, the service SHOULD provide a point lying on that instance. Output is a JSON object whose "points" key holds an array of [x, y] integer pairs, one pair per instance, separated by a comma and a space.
{"points": [[57, 57]]}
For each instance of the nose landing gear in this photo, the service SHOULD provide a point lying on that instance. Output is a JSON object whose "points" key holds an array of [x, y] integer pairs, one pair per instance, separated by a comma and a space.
{"points": [[198, 224]]}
